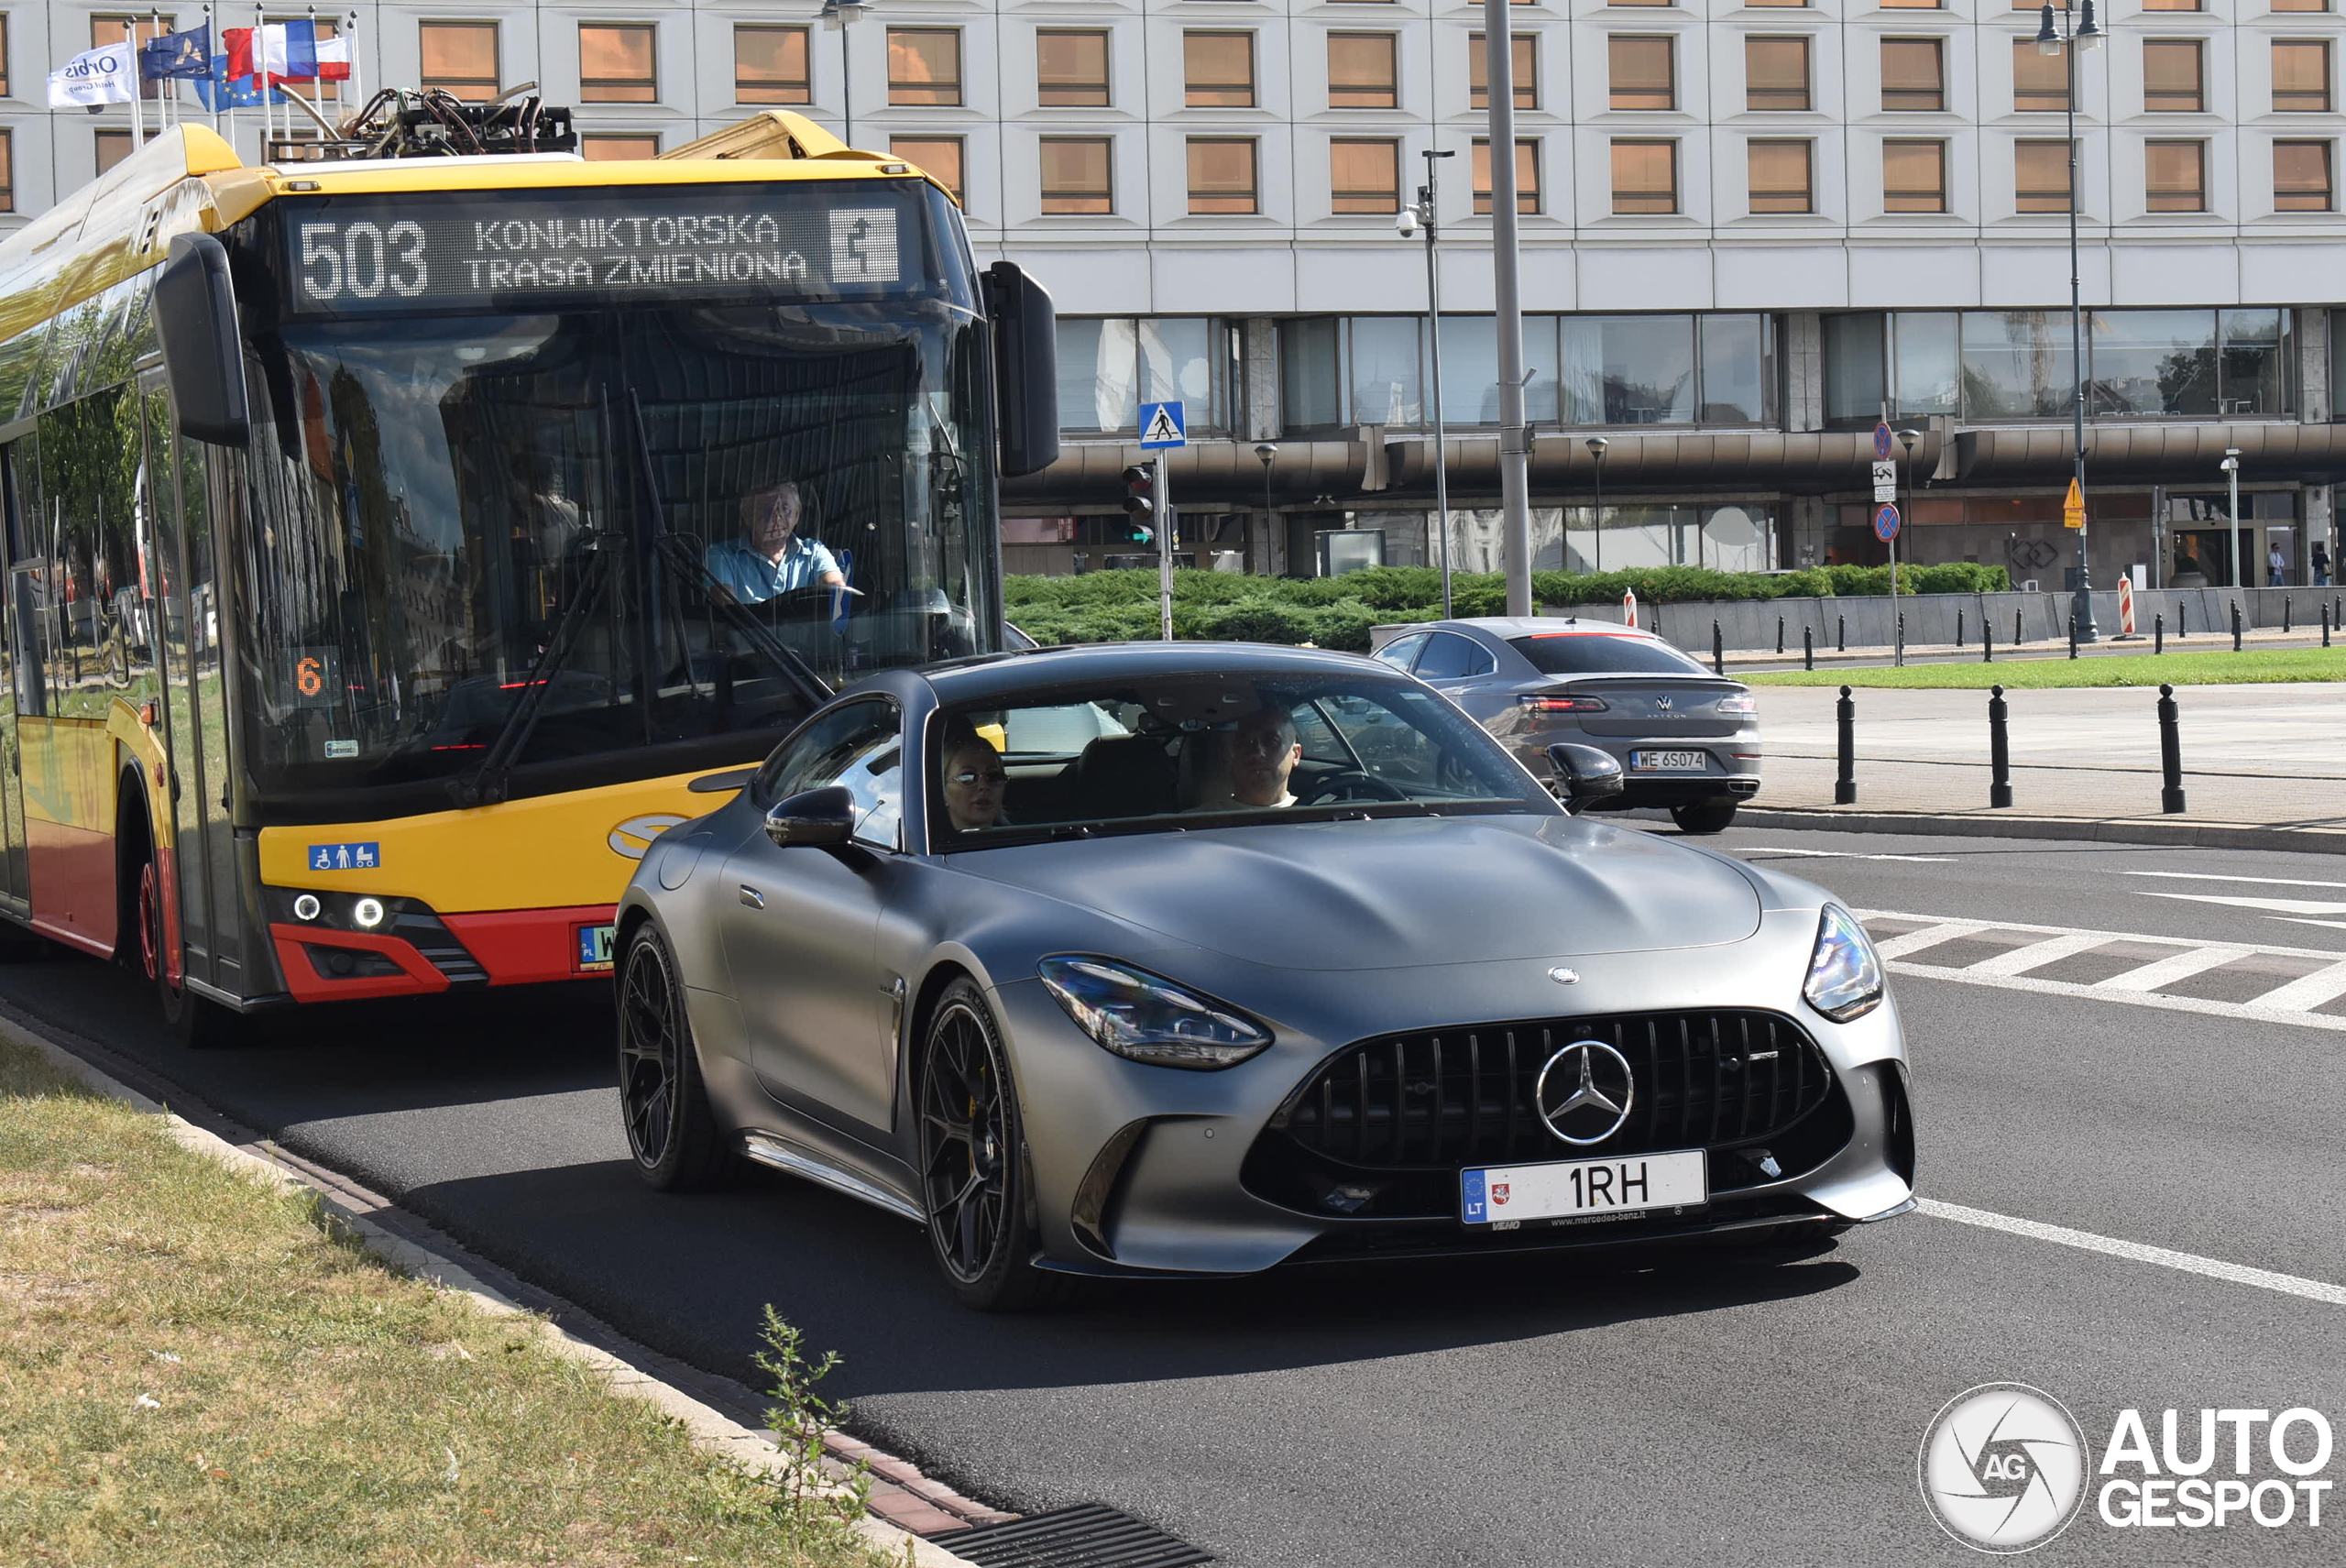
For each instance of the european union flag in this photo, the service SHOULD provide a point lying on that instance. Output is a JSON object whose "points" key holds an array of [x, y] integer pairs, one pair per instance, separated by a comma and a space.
{"points": [[177, 55], [220, 91]]}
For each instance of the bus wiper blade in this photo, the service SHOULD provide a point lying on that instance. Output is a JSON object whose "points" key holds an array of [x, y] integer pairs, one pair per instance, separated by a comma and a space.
{"points": [[485, 783]]}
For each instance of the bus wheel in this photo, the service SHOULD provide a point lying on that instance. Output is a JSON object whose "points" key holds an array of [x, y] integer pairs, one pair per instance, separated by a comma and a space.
{"points": [[192, 1021]]}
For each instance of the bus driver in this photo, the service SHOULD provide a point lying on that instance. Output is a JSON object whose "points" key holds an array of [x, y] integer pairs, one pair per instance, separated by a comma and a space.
{"points": [[769, 558]]}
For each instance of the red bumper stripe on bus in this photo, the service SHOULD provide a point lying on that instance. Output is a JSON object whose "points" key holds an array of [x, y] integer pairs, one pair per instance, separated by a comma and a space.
{"points": [[522, 947], [417, 976]]}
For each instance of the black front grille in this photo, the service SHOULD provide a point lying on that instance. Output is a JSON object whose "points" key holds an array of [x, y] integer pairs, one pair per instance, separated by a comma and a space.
{"points": [[1462, 1097]]}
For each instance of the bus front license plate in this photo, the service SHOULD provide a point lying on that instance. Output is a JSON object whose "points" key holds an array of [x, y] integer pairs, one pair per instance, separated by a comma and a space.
{"points": [[594, 948], [1578, 1188]]}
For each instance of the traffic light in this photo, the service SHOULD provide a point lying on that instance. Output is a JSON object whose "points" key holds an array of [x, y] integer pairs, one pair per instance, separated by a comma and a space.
{"points": [[1140, 503]]}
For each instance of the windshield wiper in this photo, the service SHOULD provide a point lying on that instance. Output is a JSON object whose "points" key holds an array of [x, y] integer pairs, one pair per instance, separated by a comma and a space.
{"points": [[485, 783]]}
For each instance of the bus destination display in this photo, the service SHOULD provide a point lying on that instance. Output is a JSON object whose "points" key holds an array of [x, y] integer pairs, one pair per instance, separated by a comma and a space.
{"points": [[354, 257]]}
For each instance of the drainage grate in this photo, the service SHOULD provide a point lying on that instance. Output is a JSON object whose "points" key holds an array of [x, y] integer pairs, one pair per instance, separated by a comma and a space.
{"points": [[1086, 1536]]}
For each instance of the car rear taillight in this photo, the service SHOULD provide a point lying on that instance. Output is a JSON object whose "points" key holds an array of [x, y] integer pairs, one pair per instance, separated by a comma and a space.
{"points": [[1560, 703], [1743, 703]]}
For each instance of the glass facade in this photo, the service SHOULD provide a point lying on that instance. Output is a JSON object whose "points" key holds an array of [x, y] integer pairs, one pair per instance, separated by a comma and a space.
{"points": [[1618, 370], [1108, 365], [1987, 366]]}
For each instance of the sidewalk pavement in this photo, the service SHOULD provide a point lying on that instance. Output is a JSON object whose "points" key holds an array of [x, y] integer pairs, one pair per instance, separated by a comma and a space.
{"points": [[2263, 766], [1741, 661]]}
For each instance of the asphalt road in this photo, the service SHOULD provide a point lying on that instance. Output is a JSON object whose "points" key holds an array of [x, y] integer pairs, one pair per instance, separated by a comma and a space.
{"points": [[1658, 1406]]}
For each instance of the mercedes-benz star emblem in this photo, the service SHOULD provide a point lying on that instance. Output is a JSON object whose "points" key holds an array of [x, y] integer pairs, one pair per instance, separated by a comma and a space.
{"points": [[1564, 976], [1584, 1092]]}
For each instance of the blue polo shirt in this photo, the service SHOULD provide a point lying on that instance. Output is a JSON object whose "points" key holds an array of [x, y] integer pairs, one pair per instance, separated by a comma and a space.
{"points": [[753, 578]]}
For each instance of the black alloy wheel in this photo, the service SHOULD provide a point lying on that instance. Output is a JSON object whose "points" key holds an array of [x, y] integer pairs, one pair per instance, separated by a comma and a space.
{"points": [[1702, 818], [975, 1179], [670, 1128]]}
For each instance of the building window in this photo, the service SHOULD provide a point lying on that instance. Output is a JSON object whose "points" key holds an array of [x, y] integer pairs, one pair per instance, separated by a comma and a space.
{"points": [[1070, 68], [618, 148], [1910, 5], [1076, 175], [1641, 2], [1523, 62], [1645, 176], [113, 147], [460, 57], [1775, 74], [1790, 5], [2041, 176], [2175, 5], [2176, 176], [1527, 175], [105, 30], [1221, 175], [770, 65], [2301, 176], [1108, 365], [615, 64], [1913, 74], [4, 71], [1643, 71], [2039, 81], [924, 65], [2171, 76], [1781, 177], [1363, 72], [1364, 174], [1218, 70], [2301, 6], [939, 156], [2300, 77], [1913, 176], [7, 171]]}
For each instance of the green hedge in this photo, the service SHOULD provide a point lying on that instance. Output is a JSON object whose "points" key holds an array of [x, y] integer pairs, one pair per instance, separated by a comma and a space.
{"points": [[1337, 612]]}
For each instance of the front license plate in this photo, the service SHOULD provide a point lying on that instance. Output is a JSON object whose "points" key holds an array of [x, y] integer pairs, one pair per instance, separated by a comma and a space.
{"points": [[1577, 1189], [1669, 762], [594, 948]]}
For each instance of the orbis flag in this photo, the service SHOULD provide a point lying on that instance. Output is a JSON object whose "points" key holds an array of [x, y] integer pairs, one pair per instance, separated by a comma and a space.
{"points": [[107, 75]]}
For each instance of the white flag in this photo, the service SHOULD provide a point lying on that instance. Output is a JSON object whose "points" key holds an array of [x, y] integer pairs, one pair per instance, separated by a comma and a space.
{"points": [[108, 75]]}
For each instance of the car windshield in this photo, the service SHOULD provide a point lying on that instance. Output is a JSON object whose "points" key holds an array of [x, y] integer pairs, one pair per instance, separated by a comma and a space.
{"points": [[1208, 750], [1600, 654]]}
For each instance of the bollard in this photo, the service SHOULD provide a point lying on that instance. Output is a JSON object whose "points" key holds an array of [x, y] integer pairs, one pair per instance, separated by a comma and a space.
{"points": [[2170, 753], [2072, 637], [1779, 634], [2016, 637], [2325, 626], [1808, 648], [2183, 620], [1841, 634], [1844, 786], [2235, 626], [1898, 649], [1958, 629], [1718, 650], [1987, 641], [2289, 614], [2158, 634], [1999, 751]]}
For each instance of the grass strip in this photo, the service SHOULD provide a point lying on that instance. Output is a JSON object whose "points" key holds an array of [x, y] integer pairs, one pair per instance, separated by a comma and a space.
{"points": [[197, 1370], [2251, 666]]}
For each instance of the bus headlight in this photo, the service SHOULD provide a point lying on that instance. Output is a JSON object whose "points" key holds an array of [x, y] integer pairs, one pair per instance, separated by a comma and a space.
{"points": [[368, 913], [306, 907]]}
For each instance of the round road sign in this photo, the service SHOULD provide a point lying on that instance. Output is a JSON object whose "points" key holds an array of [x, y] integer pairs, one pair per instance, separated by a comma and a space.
{"points": [[1882, 441], [1885, 524]]}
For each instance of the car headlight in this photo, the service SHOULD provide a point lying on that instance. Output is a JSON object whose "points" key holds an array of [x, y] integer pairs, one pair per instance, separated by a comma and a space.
{"points": [[1844, 977], [1147, 1018]]}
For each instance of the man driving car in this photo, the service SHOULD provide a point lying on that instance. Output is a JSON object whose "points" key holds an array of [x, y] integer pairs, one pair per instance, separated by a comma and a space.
{"points": [[1249, 763], [769, 558]]}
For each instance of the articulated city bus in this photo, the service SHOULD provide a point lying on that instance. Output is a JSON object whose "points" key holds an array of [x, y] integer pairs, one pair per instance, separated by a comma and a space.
{"points": [[374, 533]]}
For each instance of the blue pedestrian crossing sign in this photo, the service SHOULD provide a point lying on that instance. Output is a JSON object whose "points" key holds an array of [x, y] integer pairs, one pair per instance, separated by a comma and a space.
{"points": [[1161, 424], [1885, 524]]}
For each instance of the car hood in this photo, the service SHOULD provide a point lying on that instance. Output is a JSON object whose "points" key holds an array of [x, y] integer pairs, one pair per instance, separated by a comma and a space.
{"points": [[1393, 892]]}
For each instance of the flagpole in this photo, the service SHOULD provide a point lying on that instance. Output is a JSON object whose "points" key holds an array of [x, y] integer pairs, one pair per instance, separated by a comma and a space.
{"points": [[261, 75], [358, 82], [138, 86]]}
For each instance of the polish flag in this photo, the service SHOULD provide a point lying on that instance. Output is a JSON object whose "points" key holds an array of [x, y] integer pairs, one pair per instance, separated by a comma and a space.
{"points": [[333, 60]]}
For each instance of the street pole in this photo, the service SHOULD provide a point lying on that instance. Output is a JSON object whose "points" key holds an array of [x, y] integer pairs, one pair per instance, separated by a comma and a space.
{"points": [[1515, 447], [1267, 453], [2070, 38], [1166, 527], [1597, 455], [2230, 466], [1906, 438], [840, 14], [1429, 201]]}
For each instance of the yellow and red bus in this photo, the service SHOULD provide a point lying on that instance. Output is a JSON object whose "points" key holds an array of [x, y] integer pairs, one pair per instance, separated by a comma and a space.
{"points": [[367, 522]]}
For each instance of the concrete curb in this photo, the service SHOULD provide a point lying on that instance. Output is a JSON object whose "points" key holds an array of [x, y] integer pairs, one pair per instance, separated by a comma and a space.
{"points": [[710, 1429], [2100, 830]]}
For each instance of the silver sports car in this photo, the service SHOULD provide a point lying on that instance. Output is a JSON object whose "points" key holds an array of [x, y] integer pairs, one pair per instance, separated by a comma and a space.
{"points": [[1686, 739], [1194, 960]]}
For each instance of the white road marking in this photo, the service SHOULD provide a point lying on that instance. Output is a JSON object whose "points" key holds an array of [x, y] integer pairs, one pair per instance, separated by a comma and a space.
{"points": [[2036, 955], [1845, 854], [2272, 905], [2294, 920], [2308, 991], [2138, 1252], [2258, 881], [2167, 970], [1929, 937]]}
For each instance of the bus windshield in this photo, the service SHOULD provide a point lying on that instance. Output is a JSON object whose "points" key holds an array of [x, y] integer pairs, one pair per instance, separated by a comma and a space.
{"points": [[553, 538]]}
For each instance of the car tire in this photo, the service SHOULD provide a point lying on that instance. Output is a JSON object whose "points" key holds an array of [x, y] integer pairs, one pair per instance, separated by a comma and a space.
{"points": [[1702, 818], [671, 1132], [976, 1182], [190, 1021]]}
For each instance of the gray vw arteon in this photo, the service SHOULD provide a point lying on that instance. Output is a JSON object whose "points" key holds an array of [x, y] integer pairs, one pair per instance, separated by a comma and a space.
{"points": [[1686, 739], [1195, 959]]}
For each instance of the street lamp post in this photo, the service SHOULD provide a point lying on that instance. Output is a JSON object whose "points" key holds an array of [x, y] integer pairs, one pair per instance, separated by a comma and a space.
{"points": [[839, 14], [1595, 444], [1425, 213], [1906, 438], [1268, 453], [2230, 465], [2065, 41]]}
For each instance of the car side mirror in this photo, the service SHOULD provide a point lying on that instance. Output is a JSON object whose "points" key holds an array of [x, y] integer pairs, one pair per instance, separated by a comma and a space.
{"points": [[1587, 775], [1026, 352], [204, 359], [816, 818]]}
